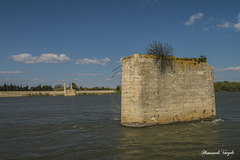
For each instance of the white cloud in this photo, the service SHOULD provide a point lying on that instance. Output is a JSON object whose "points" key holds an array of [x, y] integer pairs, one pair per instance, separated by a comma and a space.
{"points": [[44, 58], [53, 58], [119, 73], [237, 25], [38, 80], [102, 62], [92, 74], [83, 74], [193, 18], [209, 21], [238, 17], [25, 58], [105, 61], [78, 74], [11, 72], [227, 69], [224, 25], [111, 79]]}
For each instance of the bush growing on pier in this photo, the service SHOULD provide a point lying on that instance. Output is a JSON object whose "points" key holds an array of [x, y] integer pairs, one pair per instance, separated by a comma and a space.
{"points": [[163, 52]]}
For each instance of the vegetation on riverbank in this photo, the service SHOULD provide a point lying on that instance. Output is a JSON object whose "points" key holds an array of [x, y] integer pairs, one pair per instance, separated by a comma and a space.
{"points": [[227, 86], [58, 87], [13, 87], [218, 87], [11, 90]]}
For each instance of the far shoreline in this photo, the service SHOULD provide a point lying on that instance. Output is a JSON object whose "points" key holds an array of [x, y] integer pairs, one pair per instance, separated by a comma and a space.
{"points": [[53, 93]]}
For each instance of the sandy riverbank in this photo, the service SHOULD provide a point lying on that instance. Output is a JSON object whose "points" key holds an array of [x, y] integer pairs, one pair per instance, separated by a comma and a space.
{"points": [[50, 93]]}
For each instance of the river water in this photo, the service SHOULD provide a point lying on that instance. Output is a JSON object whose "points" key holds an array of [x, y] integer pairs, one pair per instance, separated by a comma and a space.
{"points": [[88, 127]]}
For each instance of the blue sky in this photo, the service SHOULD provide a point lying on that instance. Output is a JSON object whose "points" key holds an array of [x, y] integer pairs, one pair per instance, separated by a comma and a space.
{"points": [[81, 41]]}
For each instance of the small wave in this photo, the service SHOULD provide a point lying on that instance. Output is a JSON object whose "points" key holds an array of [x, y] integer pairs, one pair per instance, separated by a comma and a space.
{"points": [[188, 129], [194, 125], [217, 131], [218, 120], [116, 119], [215, 121], [75, 126]]}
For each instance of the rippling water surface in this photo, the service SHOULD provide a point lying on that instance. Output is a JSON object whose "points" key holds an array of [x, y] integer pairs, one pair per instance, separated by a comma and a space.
{"points": [[87, 127]]}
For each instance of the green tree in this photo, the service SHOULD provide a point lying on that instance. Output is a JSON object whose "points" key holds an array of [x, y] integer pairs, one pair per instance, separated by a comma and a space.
{"points": [[74, 86], [58, 86], [118, 89], [81, 88], [227, 86]]}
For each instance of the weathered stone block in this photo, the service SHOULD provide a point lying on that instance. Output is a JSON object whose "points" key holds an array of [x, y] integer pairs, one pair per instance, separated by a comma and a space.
{"points": [[149, 97]]}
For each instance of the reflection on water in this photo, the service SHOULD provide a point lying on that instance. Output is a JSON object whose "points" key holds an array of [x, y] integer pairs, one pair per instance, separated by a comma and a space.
{"points": [[85, 127], [180, 141]]}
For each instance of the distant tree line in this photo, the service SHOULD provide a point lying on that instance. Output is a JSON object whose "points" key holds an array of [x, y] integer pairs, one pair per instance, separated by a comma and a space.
{"points": [[227, 86], [13, 87], [218, 87], [118, 89], [58, 87]]}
